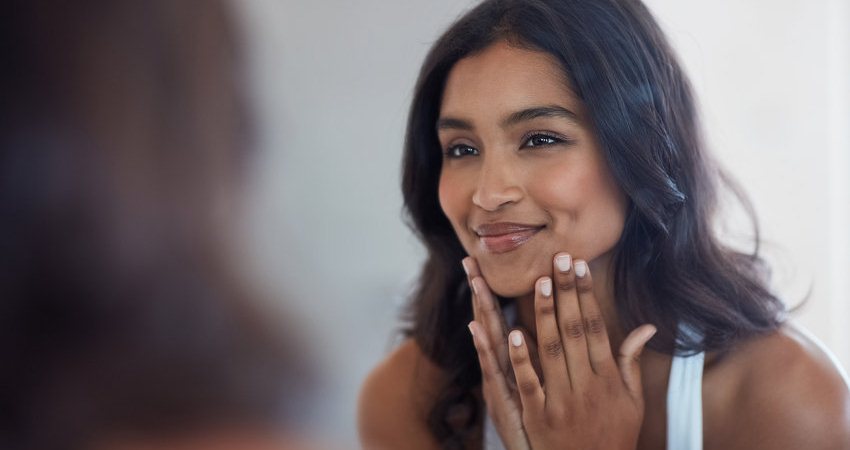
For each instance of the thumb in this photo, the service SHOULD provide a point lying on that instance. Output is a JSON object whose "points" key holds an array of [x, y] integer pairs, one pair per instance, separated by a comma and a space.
{"points": [[629, 359]]}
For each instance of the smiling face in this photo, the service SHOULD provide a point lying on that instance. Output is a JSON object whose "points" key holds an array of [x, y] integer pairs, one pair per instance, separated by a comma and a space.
{"points": [[523, 176]]}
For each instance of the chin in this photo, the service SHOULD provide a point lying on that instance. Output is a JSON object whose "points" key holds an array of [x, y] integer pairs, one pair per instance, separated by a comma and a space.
{"points": [[508, 281], [512, 291]]}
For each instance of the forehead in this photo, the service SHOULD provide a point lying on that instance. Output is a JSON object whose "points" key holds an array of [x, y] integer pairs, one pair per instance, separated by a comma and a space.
{"points": [[503, 78]]}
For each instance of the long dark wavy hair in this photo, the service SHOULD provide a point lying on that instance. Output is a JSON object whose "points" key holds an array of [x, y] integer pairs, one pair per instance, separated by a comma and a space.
{"points": [[670, 268]]}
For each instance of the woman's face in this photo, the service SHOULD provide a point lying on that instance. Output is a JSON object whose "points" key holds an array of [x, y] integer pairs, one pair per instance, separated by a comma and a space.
{"points": [[523, 176]]}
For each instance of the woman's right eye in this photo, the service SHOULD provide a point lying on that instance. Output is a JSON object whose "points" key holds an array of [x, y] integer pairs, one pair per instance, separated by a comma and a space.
{"points": [[459, 151]]}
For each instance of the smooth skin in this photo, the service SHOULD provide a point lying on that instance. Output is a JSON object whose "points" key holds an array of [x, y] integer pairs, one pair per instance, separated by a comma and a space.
{"points": [[511, 154]]}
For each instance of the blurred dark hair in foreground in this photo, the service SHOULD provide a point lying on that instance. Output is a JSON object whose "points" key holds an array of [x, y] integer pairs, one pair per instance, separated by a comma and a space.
{"points": [[122, 135]]}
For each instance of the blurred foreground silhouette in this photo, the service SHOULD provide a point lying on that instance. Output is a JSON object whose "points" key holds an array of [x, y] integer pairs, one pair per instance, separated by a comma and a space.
{"points": [[123, 323]]}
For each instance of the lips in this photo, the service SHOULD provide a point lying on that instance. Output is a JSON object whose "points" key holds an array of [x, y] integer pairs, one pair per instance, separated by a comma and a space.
{"points": [[503, 237]]}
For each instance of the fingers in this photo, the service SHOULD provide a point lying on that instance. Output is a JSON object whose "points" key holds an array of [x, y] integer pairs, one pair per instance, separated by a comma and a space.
{"points": [[491, 315], [535, 356], [491, 373], [500, 400], [528, 384], [487, 313], [596, 333], [629, 360], [570, 321], [471, 270], [550, 346]]}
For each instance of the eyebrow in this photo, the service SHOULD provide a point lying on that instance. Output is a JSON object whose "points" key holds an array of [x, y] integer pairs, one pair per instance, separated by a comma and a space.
{"points": [[452, 123], [539, 111]]}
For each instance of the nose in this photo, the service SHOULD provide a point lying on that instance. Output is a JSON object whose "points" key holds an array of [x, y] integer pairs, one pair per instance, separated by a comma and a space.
{"points": [[497, 184]]}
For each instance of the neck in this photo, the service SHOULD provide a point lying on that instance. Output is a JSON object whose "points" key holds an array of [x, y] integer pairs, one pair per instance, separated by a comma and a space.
{"points": [[603, 290]]}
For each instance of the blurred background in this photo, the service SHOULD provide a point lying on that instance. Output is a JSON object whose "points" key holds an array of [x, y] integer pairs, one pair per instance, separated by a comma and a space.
{"points": [[332, 83]]}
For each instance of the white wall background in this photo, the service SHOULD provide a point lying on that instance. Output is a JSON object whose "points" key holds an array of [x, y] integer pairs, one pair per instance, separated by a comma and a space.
{"points": [[333, 79]]}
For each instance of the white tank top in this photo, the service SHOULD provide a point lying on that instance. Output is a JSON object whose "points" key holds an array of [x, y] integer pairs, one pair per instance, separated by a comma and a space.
{"points": [[684, 407]]}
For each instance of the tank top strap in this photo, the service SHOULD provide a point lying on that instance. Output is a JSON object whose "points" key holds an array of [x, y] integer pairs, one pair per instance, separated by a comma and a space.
{"points": [[684, 401], [492, 441]]}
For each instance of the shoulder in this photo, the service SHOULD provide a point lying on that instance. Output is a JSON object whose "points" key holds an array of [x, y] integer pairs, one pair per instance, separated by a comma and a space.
{"points": [[789, 392], [395, 399]]}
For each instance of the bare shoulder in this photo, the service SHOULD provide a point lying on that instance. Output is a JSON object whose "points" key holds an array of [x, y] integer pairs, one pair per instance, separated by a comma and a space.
{"points": [[789, 394], [394, 401]]}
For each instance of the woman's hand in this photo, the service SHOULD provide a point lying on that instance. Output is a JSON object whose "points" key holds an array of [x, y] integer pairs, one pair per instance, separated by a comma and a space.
{"points": [[498, 389], [587, 400]]}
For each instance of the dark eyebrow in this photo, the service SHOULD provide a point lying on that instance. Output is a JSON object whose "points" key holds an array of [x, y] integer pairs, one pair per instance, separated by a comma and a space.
{"points": [[539, 111], [449, 123]]}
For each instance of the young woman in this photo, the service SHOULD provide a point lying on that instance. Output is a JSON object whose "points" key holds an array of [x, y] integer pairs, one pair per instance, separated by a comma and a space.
{"points": [[555, 171]]}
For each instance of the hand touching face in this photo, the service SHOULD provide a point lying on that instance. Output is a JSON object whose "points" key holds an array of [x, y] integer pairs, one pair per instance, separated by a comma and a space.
{"points": [[577, 395]]}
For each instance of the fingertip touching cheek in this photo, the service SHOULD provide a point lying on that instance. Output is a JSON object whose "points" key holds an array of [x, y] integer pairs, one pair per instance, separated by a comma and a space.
{"points": [[523, 176]]}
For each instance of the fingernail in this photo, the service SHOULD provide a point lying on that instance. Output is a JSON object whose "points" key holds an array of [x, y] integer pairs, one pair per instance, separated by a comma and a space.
{"points": [[475, 286], [516, 338], [465, 265], [471, 329], [546, 287], [650, 334], [563, 262], [581, 269]]}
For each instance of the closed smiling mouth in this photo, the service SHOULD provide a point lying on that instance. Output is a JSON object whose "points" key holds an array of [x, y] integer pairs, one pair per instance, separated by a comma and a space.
{"points": [[502, 237]]}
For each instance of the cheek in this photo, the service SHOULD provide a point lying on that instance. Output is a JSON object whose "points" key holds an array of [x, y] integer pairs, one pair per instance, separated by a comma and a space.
{"points": [[452, 196], [559, 189], [585, 205]]}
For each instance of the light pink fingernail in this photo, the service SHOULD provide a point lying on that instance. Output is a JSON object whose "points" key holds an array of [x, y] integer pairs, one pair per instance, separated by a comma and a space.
{"points": [[471, 329], [516, 338], [581, 269], [546, 287], [651, 333], [465, 265], [563, 262]]}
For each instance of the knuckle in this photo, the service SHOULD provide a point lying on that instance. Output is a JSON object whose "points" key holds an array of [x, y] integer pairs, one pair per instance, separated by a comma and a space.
{"points": [[546, 308], [527, 387], [553, 347], [584, 288], [519, 358], [566, 284], [574, 328], [594, 324]]}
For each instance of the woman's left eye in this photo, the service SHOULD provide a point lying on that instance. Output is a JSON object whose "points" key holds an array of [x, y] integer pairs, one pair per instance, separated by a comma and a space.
{"points": [[541, 140]]}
